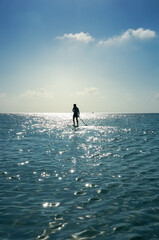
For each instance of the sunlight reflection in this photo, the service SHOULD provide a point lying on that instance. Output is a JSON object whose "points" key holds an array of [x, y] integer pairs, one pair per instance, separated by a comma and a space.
{"points": [[23, 163], [46, 204], [88, 185], [45, 175]]}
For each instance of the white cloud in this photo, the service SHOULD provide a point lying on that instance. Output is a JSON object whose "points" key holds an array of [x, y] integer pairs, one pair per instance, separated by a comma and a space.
{"points": [[156, 96], [88, 91], [2, 95], [130, 34], [143, 34], [36, 94], [79, 37]]}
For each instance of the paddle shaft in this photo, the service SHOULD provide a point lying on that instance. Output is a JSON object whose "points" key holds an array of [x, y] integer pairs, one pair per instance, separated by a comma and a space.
{"points": [[83, 122]]}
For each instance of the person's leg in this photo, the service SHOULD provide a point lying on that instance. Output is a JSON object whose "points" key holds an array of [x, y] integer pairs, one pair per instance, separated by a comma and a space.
{"points": [[77, 121], [73, 121]]}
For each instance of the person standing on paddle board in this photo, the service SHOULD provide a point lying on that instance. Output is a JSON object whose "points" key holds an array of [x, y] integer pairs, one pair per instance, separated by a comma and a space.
{"points": [[76, 114]]}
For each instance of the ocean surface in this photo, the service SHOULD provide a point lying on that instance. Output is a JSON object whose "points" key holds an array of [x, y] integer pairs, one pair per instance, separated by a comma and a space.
{"points": [[99, 181]]}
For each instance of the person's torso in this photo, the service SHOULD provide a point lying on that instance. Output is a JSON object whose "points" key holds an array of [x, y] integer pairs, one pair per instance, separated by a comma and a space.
{"points": [[76, 110]]}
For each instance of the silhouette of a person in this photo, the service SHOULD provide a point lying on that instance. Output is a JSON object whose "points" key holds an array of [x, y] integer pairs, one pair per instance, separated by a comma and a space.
{"points": [[76, 114]]}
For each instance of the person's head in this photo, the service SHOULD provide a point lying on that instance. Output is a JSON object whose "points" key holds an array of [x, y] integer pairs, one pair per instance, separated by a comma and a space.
{"points": [[74, 105]]}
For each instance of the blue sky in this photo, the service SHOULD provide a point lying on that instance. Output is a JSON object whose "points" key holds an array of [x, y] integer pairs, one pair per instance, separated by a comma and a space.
{"points": [[102, 55]]}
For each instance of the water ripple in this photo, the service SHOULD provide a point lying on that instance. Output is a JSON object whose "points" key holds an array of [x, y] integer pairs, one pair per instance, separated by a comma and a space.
{"points": [[95, 182]]}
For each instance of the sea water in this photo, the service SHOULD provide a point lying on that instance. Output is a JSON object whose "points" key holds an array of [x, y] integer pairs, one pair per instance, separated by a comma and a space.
{"points": [[99, 181]]}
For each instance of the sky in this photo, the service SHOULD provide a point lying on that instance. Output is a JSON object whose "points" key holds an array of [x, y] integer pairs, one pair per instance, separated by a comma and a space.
{"points": [[102, 55]]}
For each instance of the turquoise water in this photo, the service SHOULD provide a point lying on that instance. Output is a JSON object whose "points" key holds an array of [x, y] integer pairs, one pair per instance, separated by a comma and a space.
{"points": [[99, 181]]}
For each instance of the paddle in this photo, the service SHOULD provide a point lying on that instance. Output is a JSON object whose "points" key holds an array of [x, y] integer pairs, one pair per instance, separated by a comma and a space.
{"points": [[83, 122]]}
